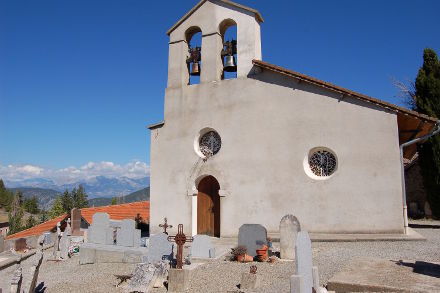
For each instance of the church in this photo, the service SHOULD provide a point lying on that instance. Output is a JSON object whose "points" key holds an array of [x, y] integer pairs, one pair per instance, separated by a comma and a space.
{"points": [[270, 141]]}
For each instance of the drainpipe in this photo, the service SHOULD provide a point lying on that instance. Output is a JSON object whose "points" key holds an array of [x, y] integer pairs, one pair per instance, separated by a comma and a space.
{"points": [[416, 140]]}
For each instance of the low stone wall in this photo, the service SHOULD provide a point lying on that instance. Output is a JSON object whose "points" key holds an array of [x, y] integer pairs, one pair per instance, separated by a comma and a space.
{"points": [[101, 253], [31, 242]]}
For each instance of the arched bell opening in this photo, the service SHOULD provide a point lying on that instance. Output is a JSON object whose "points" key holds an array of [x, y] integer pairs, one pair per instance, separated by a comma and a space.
{"points": [[208, 207], [193, 37], [228, 31]]}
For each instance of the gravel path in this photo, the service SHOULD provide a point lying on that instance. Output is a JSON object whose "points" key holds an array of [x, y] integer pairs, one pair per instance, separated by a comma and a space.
{"points": [[224, 276]]}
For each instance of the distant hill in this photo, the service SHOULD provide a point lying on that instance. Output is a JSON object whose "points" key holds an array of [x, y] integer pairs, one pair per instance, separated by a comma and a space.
{"points": [[45, 197], [140, 195]]}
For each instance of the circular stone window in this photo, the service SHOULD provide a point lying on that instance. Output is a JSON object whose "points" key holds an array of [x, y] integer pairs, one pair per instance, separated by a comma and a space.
{"points": [[210, 143], [322, 163]]}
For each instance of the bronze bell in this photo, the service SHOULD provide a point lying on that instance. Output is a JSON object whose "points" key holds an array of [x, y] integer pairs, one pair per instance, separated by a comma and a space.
{"points": [[195, 70], [230, 65]]}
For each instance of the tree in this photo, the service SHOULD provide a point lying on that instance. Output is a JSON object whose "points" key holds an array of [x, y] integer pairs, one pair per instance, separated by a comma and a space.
{"points": [[57, 208], [31, 205], [67, 201], [428, 102], [80, 198], [6, 196], [43, 216], [114, 201], [30, 222], [15, 216]]}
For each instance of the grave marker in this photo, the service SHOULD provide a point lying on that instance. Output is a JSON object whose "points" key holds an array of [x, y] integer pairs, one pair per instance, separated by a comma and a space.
{"points": [[165, 225], [100, 231], [201, 246], [180, 239], [76, 222], [289, 228], [159, 248], [303, 253], [253, 236]]}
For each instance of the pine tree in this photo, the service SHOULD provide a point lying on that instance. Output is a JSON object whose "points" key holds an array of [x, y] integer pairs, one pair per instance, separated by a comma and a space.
{"points": [[57, 208], [428, 102], [31, 205], [80, 198], [30, 222], [114, 201], [5, 196], [67, 201], [43, 216], [15, 216]]}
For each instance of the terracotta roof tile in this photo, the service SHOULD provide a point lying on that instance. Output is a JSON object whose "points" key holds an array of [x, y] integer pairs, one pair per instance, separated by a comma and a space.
{"points": [[38, 229], [119, 212]]}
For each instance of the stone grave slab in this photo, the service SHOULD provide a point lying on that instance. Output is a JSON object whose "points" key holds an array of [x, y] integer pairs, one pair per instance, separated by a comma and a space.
{"points": [[200, 246], [303, 254], [382, 275], [289, 228], [125, 234], [100, 231], [159, 248], [143, 278], [253, 236]]}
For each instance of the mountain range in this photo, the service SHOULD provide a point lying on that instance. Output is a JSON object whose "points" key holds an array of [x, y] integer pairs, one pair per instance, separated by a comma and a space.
{"points": [[99, 186]]}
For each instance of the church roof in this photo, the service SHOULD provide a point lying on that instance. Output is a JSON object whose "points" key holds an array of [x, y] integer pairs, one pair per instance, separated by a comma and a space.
{"points": [[39, 229], [411, 123], [227, 2]]}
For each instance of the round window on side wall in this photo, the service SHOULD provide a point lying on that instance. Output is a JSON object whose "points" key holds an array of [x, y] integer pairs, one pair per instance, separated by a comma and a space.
{"points": [[207, 143], [320, 163]]}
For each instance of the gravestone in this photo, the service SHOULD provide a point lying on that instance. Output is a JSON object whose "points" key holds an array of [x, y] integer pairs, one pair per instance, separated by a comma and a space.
{"points": [[68, 230], [289, 228], [16, 280], [303, 253], [253, 236], [200, 246], [20, 244], [143, 278], [127, 234], [76, 222], [2, 243], [56, 245], [159, 248], [64, 246], [100, 231]]}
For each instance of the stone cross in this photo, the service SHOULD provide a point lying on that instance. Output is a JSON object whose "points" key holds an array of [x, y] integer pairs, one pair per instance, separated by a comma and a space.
{"points": [[180, 239], [165, 226]]}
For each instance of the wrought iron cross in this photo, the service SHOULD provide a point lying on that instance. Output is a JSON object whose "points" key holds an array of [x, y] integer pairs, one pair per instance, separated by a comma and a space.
{"points": [[180, 239], [165, 226]]}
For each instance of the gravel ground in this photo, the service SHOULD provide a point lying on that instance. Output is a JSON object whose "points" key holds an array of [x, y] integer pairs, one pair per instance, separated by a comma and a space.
{"points": [[223, 276]]}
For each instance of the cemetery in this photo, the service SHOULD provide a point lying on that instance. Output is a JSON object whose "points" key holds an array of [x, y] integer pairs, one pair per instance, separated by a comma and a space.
{"points": [[292, 213]]}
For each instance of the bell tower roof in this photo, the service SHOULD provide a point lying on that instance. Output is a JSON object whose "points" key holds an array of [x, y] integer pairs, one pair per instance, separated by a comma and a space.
{"points": [[219, 2]]}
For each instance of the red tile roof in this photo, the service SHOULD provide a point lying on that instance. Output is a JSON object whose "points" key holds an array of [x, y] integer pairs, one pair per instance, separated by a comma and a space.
{"points": [[39, 229], [119, 212], [116, 212]]}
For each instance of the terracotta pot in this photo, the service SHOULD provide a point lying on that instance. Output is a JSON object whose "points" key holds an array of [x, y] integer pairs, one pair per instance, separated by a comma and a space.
{"points": [[244, 258], [262, 253]]}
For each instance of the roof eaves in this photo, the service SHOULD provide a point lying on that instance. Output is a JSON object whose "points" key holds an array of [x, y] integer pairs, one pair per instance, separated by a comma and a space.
{"points": [[189, 13], [156, 125], [341, 90]]}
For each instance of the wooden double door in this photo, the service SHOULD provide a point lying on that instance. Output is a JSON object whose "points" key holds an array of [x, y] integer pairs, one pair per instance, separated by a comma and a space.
{"points": [[208, 207]]}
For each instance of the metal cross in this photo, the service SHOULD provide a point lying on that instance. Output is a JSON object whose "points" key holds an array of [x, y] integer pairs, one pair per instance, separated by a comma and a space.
{"points": [[180, 239], [165, 226]]}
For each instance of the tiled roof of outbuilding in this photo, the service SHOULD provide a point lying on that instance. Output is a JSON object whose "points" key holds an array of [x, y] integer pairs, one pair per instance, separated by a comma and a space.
{"points": [[39, 229], [119, 212]]}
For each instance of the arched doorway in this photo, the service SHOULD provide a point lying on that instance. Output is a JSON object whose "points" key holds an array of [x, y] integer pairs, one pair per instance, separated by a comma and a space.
{"points": [[208, 207]]}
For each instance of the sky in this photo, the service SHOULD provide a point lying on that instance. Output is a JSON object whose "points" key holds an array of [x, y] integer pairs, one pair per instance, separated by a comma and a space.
{"points": [[80, 80]]}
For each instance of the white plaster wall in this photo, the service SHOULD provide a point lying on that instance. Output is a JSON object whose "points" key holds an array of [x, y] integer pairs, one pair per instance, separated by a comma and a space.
{"points": [[268, 124]]}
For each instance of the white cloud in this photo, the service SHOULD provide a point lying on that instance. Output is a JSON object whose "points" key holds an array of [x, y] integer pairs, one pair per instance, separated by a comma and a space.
{"points": [[134, 169]]}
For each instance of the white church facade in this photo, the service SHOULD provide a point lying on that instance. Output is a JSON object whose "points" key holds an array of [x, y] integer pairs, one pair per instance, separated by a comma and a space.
{"points": [[271, 141]]}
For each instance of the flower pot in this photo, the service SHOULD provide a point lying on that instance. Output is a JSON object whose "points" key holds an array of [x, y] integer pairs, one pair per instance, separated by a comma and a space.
{"points": [[244, 258], [262, 253]]}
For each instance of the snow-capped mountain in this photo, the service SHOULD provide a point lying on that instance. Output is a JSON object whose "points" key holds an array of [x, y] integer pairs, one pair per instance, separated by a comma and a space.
{"points": [[99, 186]]}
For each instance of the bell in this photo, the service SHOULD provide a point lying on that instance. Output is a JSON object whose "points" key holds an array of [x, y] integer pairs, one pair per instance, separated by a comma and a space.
{"points": [[230, 65], [195, 70]]}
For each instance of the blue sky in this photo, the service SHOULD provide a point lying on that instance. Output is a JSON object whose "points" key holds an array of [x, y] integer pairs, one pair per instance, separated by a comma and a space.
{"points": [[80, 80]]}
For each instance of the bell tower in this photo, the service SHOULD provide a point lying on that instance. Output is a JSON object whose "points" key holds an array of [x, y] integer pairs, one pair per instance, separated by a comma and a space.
{"points": [[216, 55]]}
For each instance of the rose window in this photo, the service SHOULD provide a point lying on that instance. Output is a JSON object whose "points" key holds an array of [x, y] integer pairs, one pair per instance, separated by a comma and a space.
{"points": [[210, 143], [322, 163]]}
